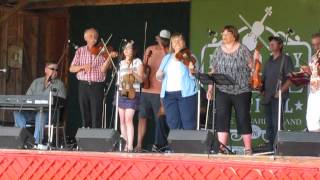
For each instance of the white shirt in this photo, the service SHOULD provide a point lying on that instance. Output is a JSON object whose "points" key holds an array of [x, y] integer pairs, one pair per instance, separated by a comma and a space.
{"points": [[174, 74]]}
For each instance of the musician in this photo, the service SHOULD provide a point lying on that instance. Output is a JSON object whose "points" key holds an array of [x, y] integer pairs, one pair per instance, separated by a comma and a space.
{"points": [[179, 87], [41, 86], [130, 65], [270, 76], [91, 73], [150, 97], [313, 115], [233, 59]]}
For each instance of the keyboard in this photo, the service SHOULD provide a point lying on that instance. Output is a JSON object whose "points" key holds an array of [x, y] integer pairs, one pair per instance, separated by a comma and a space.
{"points": [[26, 101]]}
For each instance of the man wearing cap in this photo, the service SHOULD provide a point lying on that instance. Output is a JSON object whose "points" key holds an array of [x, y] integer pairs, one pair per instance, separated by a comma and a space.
{"points": [[270, 76], [150, 97]]}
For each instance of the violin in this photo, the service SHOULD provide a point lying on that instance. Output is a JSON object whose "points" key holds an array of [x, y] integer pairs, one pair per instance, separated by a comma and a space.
{"points": [[127, 86], [318, 61], [185, 56], [126, 83], [256, 82], [99, 49], [300, 78], [147, 71]]}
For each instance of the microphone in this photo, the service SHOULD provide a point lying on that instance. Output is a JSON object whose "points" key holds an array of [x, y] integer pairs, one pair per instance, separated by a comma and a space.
{"points": [[73, 45], [290, 31], [124, 40], [211, 32], [50, 79]]}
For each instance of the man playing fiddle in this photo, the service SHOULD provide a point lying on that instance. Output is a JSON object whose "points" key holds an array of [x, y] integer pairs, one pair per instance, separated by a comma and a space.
{"points": [[313, 115], [91, 72]]}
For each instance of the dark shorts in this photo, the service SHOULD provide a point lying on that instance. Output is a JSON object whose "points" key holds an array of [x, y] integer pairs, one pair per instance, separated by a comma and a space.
{"points": [[149, 105], [126, 103], [241, 104]]}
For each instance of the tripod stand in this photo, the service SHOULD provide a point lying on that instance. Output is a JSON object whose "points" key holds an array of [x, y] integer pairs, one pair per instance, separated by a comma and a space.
{"points": [[214, 79]]}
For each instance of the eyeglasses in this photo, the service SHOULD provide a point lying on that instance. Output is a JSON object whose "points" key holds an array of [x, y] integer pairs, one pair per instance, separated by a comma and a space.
{"points": [[53, 69]]}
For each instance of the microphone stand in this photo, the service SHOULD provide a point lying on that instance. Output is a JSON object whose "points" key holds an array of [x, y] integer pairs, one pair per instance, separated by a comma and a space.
{"points": [[114, 73], [211, 33], [279, 84], [50, 129]]}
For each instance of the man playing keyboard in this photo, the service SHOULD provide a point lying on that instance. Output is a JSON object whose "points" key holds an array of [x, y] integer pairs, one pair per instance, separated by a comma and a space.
{"points": [[41, 86]]}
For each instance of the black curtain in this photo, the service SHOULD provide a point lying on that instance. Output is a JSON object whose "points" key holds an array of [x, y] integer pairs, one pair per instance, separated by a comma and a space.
{"points": [[122, 21]]}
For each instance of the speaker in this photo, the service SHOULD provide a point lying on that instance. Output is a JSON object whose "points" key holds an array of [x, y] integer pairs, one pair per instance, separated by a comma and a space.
{"points": [[102, 140], [15, 138], [190, 141], [297, 143]]}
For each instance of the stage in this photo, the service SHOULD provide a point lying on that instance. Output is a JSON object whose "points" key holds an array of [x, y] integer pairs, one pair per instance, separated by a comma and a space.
{"points": [[32, 164]]}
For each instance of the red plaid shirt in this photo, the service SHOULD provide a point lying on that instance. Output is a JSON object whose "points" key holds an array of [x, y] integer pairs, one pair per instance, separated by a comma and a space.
{"points": [[82, 57]]}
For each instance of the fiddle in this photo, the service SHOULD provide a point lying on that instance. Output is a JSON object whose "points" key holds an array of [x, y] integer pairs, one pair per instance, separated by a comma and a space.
{"points": [[127, 86], [318, 61], [127, 82], [256, 82], [147, 71], [185, 56], [99, 49]]}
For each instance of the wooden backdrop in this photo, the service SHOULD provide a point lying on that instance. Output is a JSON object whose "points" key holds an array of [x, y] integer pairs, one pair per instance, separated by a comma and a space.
{"points": [[28, 39]]}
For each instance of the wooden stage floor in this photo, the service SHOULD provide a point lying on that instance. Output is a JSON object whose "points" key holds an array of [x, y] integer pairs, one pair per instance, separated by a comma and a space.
{"points": [[34, 164]]}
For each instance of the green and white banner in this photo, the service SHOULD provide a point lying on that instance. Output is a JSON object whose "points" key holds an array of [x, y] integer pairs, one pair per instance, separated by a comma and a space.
{"points": [[256, 21]]}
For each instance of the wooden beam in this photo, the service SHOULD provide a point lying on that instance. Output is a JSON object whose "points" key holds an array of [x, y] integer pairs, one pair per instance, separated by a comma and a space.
{"points": [[71, 3], [17, 8]]}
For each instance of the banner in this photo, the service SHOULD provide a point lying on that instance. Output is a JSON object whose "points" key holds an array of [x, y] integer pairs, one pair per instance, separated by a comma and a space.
{"points": [[256, 21]]}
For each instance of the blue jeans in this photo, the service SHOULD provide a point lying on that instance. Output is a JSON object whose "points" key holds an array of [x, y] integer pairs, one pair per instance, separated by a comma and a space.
{"points": [[30, 117], [181, 112]]}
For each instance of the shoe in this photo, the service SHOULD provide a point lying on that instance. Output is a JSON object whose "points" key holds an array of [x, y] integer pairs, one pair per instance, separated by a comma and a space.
{"points": [[138, 149], [265, 147], [155, 148], [248, 152], [161, 149]]}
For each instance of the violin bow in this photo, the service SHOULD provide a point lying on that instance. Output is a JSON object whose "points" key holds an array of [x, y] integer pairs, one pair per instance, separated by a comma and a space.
{"points": [[145, 37], [104, 43], [106, 49]]}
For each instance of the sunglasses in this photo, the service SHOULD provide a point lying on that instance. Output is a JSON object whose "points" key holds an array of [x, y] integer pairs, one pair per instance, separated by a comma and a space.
{"points": [[53, 69]]}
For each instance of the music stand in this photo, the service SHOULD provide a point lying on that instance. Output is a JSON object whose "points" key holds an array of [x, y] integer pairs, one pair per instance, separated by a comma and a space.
{"points": [[216, 79]]}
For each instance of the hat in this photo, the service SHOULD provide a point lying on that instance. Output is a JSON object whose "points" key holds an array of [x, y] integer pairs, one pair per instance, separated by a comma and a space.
{"points": [[275, 38], [164, 34]]}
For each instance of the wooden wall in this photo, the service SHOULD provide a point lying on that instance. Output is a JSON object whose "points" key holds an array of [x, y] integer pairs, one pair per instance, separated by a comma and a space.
{"points": [[40, 36]]}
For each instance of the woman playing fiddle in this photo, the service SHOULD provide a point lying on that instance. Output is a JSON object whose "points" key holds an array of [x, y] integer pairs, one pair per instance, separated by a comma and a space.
{"points": [[130, 78], [179, 87]]}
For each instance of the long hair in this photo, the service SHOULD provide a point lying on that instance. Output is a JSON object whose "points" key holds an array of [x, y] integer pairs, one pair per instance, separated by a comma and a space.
{"points": [[173, 36], [131, 44]]}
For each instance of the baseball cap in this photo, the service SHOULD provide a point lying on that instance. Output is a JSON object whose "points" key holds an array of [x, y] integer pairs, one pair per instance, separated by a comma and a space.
{"points": [[165, 34]]}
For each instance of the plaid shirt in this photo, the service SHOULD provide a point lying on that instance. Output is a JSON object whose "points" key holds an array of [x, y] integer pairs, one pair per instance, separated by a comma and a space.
{"points": [[82, 57]]}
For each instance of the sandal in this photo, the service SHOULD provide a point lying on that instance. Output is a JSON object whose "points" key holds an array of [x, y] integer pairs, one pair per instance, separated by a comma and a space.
{"points": [[137, 149], [223, 151], [248, 152]]}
